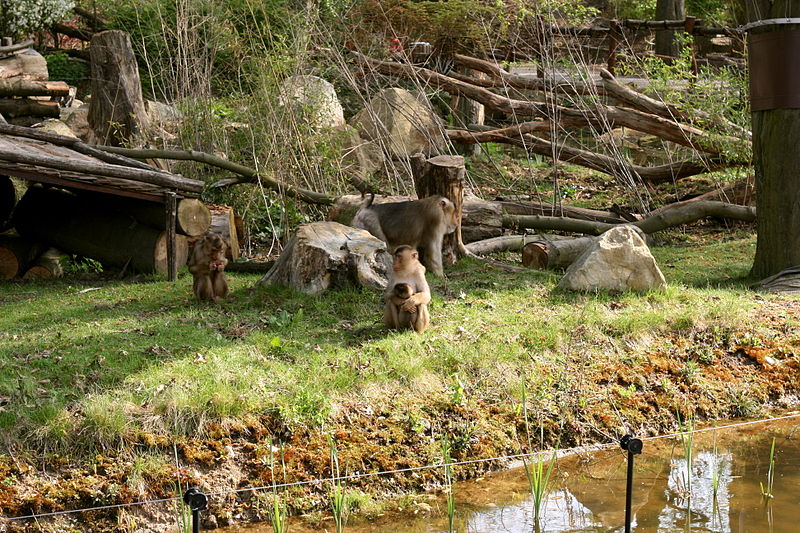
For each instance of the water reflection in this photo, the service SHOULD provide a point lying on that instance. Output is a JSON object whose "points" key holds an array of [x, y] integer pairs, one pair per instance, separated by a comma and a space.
{"points": [[589, 491]]}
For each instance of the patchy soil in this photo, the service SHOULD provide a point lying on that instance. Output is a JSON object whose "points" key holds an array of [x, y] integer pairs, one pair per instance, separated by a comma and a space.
{"points": [[712, 374]]}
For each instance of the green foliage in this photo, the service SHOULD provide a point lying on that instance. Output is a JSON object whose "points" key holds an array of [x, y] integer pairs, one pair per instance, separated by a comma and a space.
{"points": [[61, 67], [77, 264]]}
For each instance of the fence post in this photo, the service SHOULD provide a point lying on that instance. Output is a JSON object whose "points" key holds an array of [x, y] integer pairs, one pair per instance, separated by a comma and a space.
{"points": [[689, 24], [633, 447], [197, 501], [613, 43]]}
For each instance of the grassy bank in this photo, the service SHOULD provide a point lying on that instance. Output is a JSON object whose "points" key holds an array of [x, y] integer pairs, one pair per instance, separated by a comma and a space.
{"points": [[112, 391]]}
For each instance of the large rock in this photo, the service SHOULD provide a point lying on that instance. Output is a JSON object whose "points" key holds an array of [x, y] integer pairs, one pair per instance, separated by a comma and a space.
{"points": [[77, 118], [618, 260], [25, 65], [325, 255], [54, 125], [313, 100], [359, 157], [402, 122]]}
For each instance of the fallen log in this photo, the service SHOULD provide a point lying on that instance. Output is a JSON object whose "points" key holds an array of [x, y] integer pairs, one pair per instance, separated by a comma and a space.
{"points": [[505, 243], [13, 107], [19, 87], [8, 199], [15, 255], [661, 219], [46, 266], [554, 254], [192, 218], [73, 225]]}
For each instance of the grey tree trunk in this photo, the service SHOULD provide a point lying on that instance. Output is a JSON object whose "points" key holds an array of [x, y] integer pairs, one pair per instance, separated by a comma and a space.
{"points": [[776, 133], [665, 39]]}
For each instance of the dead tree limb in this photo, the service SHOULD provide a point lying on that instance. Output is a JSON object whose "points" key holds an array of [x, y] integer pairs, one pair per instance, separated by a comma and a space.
{"points": [[249, 174], [598, 115], [661, 219]]}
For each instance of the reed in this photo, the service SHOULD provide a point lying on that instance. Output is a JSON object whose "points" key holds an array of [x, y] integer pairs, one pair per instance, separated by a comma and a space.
{"points": [[278, 511], [538, 477], [447, 460], [715, 470], [766, 490], [338, 503], [687, 442]]}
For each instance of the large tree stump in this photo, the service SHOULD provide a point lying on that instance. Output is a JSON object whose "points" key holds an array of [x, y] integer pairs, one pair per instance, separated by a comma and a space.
{"points": [[72, 225], [117, 113], [324, 255], [15, 256], [444, 175], [223, 222]]}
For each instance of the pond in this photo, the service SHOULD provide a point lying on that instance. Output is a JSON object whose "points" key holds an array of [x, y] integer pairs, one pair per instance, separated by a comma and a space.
{"points": [[718, 491]]}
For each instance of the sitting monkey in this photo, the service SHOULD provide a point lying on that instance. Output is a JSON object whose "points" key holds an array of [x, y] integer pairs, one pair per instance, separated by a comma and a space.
{"points": [[407, 294], [207, 265]]}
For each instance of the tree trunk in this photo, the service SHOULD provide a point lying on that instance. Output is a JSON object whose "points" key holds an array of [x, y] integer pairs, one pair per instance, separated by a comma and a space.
{"points": [[116, 113], [17, 87], [64, 221], [15, 255], [443, 175], [776, 134], [502, 243], [554, 254], [46, 266], [223, 222], [665, 39]]}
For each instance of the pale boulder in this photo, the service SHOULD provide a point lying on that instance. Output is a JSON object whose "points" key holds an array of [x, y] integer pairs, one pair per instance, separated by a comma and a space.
{"points": [[53, 125], [25, 65], [313, 101], [618, 260], [402, 122]]}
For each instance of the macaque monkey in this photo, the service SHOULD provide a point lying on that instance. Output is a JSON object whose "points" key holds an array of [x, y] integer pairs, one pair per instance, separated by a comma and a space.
{"points": [[417, 223], [407, 294], [207, 265]]}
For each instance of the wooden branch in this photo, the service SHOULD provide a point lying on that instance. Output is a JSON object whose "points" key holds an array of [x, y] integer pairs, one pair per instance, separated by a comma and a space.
{"points": [[71, 31], [19, 87], [599, 162], [22, 107], [15, 47], [250, 174], [661, 219], [601, 115], [504, 243], [163, 179]]}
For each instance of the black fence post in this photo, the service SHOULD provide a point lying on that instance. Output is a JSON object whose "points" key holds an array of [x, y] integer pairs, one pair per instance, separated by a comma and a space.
{"points": [[197, 501], [633, 447]]}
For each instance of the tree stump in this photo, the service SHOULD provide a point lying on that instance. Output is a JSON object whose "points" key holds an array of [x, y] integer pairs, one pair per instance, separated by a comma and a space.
{"points": [[444, 175], [223, 222], [117, 113], [325, 255], [15, 256]]}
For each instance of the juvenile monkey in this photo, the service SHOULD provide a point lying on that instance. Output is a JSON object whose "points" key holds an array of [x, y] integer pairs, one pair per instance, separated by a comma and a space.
{"points": [[207, 265], [407, 294], [417, 223], [401, 293]]}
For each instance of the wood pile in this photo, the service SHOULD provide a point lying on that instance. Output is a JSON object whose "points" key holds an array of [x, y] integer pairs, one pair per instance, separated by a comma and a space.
{"points": [[25, 90]]}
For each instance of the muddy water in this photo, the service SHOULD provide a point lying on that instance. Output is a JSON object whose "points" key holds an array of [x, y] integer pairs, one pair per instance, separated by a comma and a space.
{"points": [[588, 491]]}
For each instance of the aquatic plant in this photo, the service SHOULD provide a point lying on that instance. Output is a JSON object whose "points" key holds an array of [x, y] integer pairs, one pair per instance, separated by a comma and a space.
{"points": [[278, 511], [715, 467], [447, 461], [338, 503], [687, 442], [538, 478], [766, 491]]}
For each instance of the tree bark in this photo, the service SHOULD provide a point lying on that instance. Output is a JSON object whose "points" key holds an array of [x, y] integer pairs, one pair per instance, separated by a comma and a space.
{"points": [[776, 161], [116, 113], [443, 175], [64, 221], [20, 107], [665, 39], [223, 222]]}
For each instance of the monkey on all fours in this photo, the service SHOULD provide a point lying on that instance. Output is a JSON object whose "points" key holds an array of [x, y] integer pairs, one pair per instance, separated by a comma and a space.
{"points": [[207, 265], [417, 223], [407, 295]]}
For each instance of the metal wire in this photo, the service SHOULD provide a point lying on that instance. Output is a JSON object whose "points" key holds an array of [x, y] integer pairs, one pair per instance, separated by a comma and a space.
{"points": [[560, 452]]}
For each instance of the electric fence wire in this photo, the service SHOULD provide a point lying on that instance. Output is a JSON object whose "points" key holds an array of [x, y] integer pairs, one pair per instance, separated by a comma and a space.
{"points": [[561, 452]]}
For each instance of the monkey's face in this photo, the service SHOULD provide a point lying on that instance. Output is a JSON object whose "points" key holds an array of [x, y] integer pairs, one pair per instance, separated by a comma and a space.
{"points": [[215, 245], [403, 258]]}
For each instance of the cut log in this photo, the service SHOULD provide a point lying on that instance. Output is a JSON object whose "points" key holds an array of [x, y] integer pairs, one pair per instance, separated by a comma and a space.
{"points": [[193, 218], [13, 107], [117, 113], [64, 221], [46, 266], [8, 199], [443, 175], [504, 243], [554, 254], [15, 255], [17, 87], [324, 255], [223, 222]]}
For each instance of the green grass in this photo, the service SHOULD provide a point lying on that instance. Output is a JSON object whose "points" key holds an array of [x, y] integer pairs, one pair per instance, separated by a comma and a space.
{"points": [[80, 368]]}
